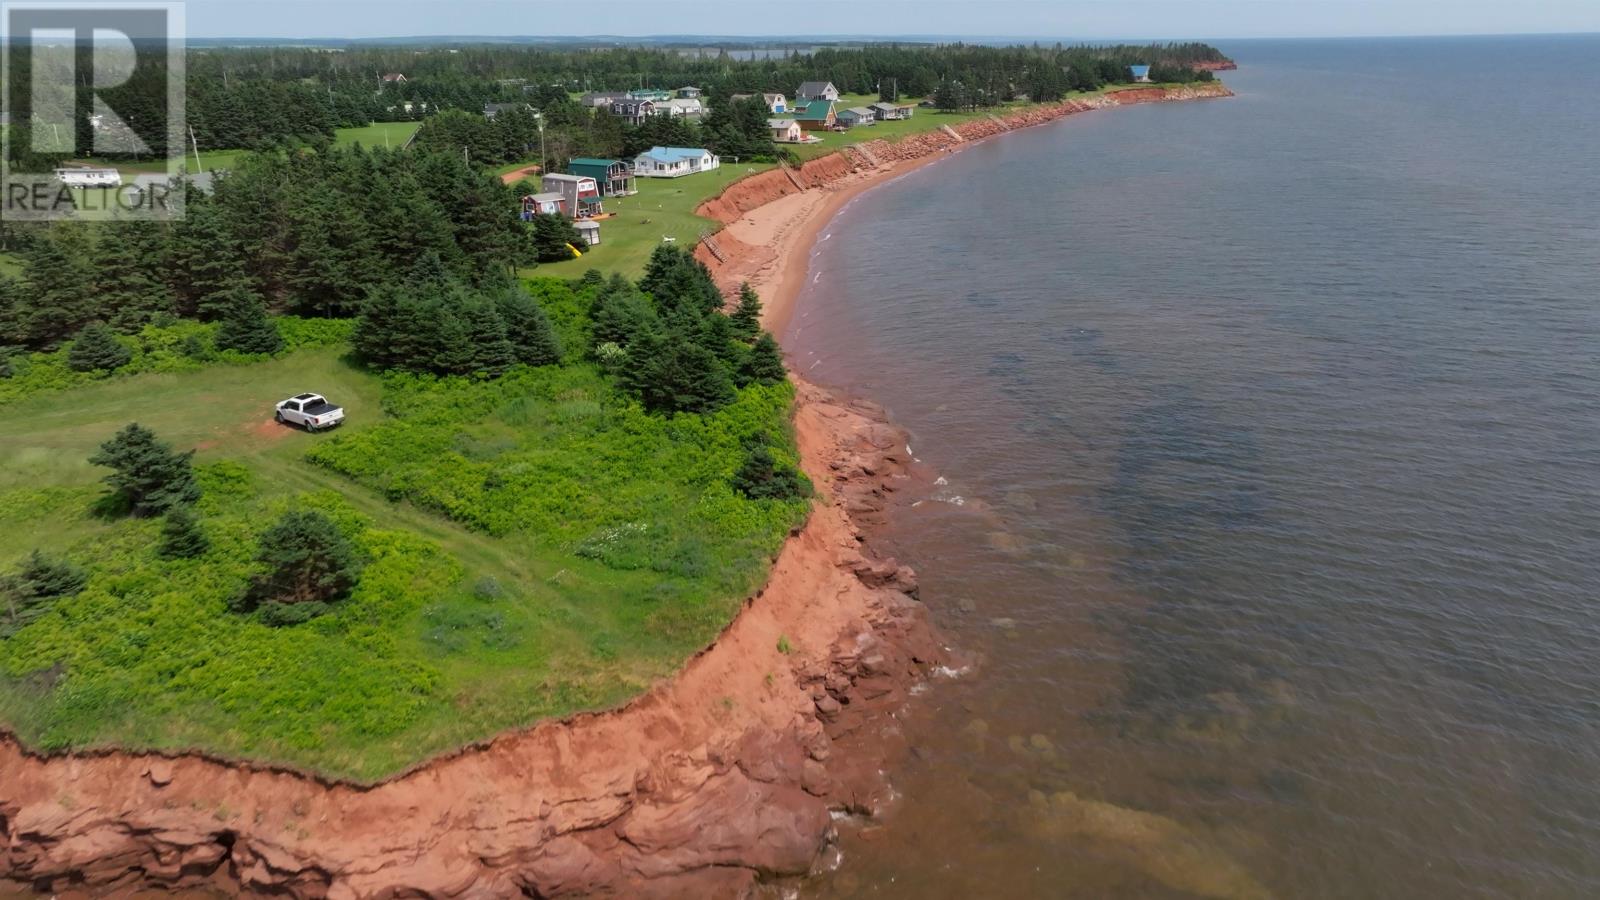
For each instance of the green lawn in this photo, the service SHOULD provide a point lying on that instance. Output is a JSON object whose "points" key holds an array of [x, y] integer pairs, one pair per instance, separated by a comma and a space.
{"points": [[664, 207], [378, 134], [537, 546]]}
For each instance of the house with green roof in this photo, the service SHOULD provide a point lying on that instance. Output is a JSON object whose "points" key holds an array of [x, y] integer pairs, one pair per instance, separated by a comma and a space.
{"points": [[614, 176], [817, 115]]}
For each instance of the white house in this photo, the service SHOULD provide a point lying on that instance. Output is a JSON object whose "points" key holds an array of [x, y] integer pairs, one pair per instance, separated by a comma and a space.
{"points": [[777, 104], [672, 162], [786, 131], [818, 90], [857, 115], [680, 106]]}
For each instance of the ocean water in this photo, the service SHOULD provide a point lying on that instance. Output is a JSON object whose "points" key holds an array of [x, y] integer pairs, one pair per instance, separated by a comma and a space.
{"points": [[1271, 437]]}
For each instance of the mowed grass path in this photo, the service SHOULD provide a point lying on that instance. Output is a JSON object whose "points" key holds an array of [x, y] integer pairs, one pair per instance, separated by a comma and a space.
{"points": [[378, 134], [421, 660]]}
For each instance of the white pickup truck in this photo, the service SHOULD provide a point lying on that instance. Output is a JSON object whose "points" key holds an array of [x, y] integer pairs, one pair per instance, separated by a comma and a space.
{"points": [[310, 411]]}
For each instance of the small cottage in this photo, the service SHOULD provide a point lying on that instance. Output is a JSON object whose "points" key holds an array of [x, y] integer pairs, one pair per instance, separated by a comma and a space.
{"points": [[893, 112], [601, 99], [655, 95], [580, 193], [546, 204], [674, 162], [678, 107], [689, 93], [856, 116], [1141, 74], [614, 176], [816, 115], [786, 131], [817, 90]]}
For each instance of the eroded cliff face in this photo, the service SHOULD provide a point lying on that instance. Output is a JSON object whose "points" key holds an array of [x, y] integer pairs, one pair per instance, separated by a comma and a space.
{"points": [[717, 778]]}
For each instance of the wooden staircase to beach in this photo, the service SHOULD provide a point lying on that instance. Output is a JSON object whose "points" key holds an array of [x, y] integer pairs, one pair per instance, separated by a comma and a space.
{"points": [[794, 177], [872, 158], [711, 244], [952, 132], [999, 121]]}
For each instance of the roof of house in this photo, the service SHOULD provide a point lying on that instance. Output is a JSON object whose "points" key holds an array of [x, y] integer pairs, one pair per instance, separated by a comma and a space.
{"points": [[780, 123], [548, 197], [816, 111], [502, 107], [589, 161], [562, 176], [813, 88], [1140, 71], [886, 107], [674, 154], [861, 111], [394, 76], [586, 225]]}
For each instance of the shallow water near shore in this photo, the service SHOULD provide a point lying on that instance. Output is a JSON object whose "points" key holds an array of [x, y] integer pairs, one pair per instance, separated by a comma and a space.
{"points": [[1270, 433]]}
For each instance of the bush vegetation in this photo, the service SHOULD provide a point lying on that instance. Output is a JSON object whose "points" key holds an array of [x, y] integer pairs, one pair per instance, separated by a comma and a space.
{"points": [[529, 544]]}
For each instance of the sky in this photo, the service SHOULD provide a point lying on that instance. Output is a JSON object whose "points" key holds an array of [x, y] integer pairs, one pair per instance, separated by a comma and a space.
{"points": [[1041, 19]]}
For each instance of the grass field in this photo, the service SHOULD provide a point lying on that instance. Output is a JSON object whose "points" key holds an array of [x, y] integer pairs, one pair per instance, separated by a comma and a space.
{"points": [[537, 545], [378, 134], [664, 207]]}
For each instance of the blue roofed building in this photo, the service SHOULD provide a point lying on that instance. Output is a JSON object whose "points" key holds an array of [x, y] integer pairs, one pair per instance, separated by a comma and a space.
{"points": [[1141, 74], [673, 162]]}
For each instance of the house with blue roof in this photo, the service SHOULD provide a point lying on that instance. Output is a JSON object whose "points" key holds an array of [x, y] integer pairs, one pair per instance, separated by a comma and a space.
{"points": [[1141, 74], [674, 162]]}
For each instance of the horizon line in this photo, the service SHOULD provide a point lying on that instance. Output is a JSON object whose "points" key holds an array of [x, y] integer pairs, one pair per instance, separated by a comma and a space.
{"points": [[780, 38]]}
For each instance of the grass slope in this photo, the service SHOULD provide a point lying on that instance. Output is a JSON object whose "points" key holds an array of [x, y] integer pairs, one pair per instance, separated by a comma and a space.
{"points": [[538, 546]]}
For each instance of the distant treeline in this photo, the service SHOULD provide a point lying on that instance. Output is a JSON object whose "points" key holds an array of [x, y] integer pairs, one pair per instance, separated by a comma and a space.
{"points": [[260, 98]]}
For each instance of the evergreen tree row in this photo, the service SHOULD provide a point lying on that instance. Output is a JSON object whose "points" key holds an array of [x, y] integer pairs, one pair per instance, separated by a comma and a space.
{"points": [[447, 329], [307, 233]]}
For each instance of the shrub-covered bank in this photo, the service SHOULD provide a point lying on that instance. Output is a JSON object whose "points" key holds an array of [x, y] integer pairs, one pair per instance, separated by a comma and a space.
{"points": [[523, 542]]}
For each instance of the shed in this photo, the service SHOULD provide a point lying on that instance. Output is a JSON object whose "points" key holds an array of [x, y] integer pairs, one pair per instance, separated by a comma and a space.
{"points": [[580, 193], [1141, 74], [545, 204], [786, 131], [589, 230]]}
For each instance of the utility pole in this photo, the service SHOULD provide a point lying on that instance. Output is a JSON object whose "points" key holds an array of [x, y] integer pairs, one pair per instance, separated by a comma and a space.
{"points": [[198, 169]]}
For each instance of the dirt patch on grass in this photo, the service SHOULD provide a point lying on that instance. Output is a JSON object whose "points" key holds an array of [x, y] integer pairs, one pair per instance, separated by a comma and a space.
{"points": [[269, 430]]}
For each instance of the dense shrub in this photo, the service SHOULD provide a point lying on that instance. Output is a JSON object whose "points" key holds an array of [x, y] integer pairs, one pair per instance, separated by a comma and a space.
{"points": [[762, 478], [181, 535], [97, 349], [26, 595], [303, 559]]}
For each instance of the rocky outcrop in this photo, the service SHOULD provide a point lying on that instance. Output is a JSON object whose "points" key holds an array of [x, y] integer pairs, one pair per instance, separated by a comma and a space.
{"points": [[718, 778]]}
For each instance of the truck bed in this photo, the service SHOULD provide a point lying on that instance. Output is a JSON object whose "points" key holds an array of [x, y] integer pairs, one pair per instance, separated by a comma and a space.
{"points": [[320, 409]]}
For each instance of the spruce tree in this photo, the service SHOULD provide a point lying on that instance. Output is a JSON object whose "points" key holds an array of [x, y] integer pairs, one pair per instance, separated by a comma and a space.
{"points": [[672, 372], [181, 535], [59, 297], [245, 327], [452, 352], [26, 596], [147, 475], [304, 559], [97, 348], [43, 576], [622, 317], [492, 351], [533, 339], [205, 260], [375, 336], [747, 315], [764, 364], [129, 275]]}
